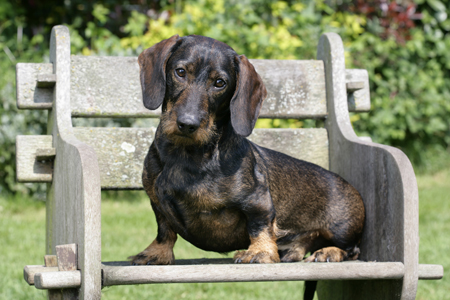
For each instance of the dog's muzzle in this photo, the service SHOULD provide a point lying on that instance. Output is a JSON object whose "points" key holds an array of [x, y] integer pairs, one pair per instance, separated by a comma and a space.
{"points": [[188, 123]]}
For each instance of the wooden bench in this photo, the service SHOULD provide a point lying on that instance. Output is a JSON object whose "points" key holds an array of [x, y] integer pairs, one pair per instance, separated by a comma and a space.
{"points": [[77, 163]]}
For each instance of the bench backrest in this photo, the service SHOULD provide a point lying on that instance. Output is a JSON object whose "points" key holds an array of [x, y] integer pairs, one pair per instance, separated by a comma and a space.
{"points": [[109, 87]]}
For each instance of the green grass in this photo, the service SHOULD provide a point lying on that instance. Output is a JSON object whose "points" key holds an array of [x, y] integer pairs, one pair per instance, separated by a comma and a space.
{"points": [[434, 231], [128, 226]]}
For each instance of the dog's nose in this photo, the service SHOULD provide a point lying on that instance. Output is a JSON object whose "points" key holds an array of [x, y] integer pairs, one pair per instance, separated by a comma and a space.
{"points": [[188, 124]]}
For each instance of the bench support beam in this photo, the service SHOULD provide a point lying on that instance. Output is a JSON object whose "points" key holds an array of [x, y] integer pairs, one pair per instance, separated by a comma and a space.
{"points": [[74, 195]]}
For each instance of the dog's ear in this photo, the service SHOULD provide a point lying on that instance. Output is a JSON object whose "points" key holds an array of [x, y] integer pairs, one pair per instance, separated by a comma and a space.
{"points": [[247, 99], [152, 63]]}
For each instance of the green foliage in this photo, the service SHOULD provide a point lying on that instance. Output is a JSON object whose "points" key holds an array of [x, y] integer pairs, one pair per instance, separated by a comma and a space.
{"points": [[14, 50], [408, 60], [408, 66], [409, 87]]}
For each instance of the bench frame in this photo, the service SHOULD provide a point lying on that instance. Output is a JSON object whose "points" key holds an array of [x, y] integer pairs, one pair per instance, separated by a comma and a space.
{"points": [[382, 174]]}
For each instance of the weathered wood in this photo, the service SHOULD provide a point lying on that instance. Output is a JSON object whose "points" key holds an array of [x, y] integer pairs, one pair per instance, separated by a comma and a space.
{"points": [[57, 280], [46, 80], [29, 96], [357, 86], [67, 261], [30, 271], [45, 154], [310, 144], [110, 86], [384, 177], [74, 196], [354, 86], [122, 275], [67, 257], [295, 89], [51, 261], [365, 138], [428, 272], [121, 151], [107, 86], [359, 289], [29, 168]]}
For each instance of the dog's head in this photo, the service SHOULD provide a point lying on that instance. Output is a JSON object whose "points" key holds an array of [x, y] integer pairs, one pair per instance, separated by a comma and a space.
{"points": [[201, 83]]}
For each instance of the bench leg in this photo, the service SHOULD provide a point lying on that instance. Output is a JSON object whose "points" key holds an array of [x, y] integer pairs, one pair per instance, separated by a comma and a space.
{"points": [[360, 289]]}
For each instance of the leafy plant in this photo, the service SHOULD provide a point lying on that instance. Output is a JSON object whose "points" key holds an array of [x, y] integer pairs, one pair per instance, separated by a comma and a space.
{"points": [[404, 46]]}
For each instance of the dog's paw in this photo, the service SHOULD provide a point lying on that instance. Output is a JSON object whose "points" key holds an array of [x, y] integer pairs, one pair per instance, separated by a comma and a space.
{"points": [[292, 255], [155, 254], [249, 257], [144, 259], [329, 254]]}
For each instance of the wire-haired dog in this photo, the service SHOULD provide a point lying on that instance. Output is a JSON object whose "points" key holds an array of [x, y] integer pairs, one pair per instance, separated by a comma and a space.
{"points": [[218, 190]]}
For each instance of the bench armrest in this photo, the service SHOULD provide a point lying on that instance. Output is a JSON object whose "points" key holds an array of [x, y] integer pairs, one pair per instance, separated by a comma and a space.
{"points": [[383, 175]]}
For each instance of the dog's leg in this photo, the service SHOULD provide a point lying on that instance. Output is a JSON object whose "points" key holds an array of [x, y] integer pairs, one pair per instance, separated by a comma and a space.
{"points": [[294, 247], [263, 249], [261, 225], [333, 254], [295, 253], [160, 251]]}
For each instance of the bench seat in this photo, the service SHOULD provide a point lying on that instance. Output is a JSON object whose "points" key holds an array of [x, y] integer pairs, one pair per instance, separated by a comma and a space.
{"points": [[224, 270]]}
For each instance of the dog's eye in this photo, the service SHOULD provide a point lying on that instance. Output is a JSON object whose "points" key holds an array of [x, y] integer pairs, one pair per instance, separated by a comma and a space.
{"points": [[220, 83], [181, 72]]}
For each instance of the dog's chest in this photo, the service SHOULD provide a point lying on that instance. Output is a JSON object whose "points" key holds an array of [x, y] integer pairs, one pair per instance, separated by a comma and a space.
{"points": [[190, 190], [201, 208]]}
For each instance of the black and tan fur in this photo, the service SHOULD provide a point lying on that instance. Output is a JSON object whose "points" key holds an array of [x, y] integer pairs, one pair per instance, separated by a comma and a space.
{"points": [[216, 189]]}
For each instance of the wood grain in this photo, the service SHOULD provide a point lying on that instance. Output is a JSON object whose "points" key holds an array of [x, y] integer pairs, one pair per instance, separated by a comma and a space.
{"points": [[57, 280], [123, 275], [67, 257], [31, 270], [358, 90], [385, 179], [121, 151], [74, 195], [429, 272], [29, 164], [29, 96]]}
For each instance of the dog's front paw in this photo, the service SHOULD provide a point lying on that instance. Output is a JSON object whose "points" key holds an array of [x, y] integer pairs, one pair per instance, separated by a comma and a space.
{"points": [[249, 256], [329, 254], [145, 259], [155, 254]]}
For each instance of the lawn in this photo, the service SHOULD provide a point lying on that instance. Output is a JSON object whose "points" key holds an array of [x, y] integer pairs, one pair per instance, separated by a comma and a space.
{"points": [[128, 226]]}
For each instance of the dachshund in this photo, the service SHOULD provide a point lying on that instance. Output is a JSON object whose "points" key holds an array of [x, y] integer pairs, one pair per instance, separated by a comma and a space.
{"points": [[215, 188]]}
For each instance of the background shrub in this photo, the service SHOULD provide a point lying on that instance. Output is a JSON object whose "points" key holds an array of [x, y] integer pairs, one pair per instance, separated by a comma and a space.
{"points": [[404, 45]]}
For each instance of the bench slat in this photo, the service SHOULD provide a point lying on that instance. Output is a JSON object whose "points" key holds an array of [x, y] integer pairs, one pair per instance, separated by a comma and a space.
{"points": [[31, 163], [29, 96], [121, 273], [295, 88], [429, 272], [57, 280], [358, 90], [110, 87], [121, 151]]}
